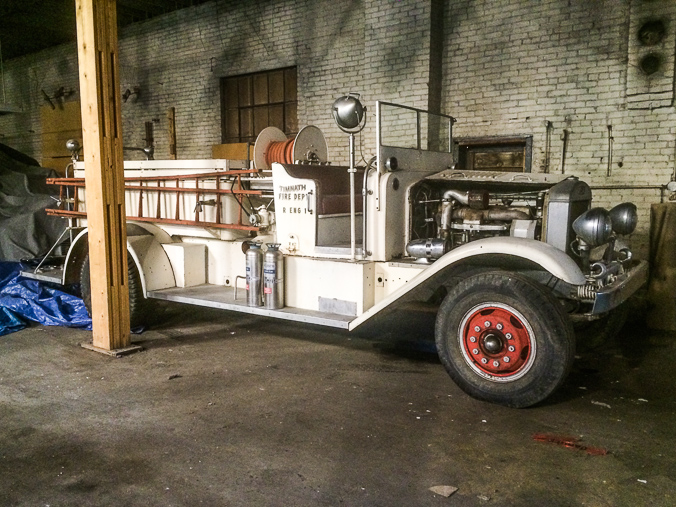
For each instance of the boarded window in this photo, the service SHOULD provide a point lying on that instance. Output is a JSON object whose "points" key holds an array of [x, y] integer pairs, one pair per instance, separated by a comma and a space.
{"points": [[508, 154], [251, 102]]}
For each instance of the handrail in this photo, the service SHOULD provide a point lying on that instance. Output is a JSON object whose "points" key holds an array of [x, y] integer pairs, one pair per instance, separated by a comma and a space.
{"points": [[416, 109]]}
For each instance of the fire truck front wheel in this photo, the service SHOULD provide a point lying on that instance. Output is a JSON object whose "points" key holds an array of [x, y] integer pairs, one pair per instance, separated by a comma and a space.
{"points": [[505, 339], [137, 302]]}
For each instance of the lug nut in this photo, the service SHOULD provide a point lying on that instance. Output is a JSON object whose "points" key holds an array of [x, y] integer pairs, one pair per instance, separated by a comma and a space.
{"points": [[472, 339], [487, 323], [484, 360], [506, 359], [496, 364], [477, 328], [508, 336], [511, 348], [475, 351], [499, 327]]}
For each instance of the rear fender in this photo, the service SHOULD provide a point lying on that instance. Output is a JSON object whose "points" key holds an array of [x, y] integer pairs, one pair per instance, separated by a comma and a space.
{"points": [[144, 243]]}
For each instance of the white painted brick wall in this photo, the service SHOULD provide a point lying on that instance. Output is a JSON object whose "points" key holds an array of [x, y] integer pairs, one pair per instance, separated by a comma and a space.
{"points": [[379, 49], [509, 67], [24, 80]]}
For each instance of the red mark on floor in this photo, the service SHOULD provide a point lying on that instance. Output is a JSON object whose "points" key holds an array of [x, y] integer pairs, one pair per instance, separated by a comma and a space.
{"points": [[570, 443]]}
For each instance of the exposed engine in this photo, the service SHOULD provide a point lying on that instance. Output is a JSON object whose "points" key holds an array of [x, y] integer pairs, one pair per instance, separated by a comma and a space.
{"points": [[454, 208], [455, 217]]}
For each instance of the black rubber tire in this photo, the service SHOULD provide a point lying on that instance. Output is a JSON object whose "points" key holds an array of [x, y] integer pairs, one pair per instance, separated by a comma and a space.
{"points": [[508, 298], [601, 332], [138, 315]]}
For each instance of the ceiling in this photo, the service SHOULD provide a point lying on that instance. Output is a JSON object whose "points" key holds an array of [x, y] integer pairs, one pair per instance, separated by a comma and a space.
{"points": [[27, 26]]}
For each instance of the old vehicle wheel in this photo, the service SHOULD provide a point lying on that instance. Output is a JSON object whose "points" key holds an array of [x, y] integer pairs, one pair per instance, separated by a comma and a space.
{"points": [[137, 301], [505, 339]]}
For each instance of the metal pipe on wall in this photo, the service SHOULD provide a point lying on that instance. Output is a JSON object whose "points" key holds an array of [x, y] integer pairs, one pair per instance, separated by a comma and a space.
{"points": [[564, 149], [661, 188], [548, 144], [610, 150]]}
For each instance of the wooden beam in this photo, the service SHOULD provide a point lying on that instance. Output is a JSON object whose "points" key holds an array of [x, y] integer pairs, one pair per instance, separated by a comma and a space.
{"points": [[104, 176], [171, 117]]}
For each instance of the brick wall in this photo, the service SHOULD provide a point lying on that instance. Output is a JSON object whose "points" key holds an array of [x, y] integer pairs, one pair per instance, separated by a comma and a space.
{"points": [[24, 80], [508, 68], [377, 48], [511, 67]]}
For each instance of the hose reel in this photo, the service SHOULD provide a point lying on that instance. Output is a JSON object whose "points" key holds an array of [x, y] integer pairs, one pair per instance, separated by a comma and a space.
{"points": [[309, 146]]}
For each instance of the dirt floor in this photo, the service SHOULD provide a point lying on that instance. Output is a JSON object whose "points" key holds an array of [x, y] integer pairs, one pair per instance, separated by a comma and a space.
{"points": [[225, 409]]}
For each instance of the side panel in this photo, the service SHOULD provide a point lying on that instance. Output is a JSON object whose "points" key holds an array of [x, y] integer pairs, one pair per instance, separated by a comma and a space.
{"points": [[391, 276], [225, 261], [295, 212], [387, 214], [188, 263], [317, 284]]}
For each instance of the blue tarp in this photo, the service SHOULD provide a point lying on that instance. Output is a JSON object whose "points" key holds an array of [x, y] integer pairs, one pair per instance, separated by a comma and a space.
{"points": [[22, 299]]}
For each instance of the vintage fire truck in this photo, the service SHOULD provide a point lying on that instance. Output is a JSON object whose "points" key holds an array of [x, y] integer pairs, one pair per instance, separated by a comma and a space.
{"points": [[517, 260]]}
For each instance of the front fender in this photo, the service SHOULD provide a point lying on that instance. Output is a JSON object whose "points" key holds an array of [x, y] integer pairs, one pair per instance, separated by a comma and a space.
{"points": [[549, 258], [497, 252]]}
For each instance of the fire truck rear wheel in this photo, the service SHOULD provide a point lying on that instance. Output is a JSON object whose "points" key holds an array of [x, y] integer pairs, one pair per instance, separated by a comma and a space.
{"points": [[137, 302], [505, 339]]}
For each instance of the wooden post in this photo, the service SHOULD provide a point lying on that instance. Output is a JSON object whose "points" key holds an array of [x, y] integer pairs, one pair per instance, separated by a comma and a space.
{"points": [[171, 116], [104, 174]]}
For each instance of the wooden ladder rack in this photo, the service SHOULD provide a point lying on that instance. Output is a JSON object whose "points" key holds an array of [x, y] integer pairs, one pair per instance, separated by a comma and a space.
{"points": [[144, 185]]}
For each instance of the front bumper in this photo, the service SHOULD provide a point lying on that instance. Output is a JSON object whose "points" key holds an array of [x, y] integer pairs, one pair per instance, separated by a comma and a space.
{"points": [[616, 293]]}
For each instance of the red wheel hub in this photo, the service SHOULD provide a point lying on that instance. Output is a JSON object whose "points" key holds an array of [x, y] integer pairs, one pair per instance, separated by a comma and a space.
{"points": [[497, 342]]}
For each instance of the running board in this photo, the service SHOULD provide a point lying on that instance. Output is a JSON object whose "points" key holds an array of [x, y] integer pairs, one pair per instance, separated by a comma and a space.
{"points": [[218, 296], [46, 274]]}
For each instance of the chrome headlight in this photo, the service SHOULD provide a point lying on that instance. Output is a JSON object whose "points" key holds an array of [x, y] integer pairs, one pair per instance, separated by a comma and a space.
{"points": [[624, 217], [594, 226]]}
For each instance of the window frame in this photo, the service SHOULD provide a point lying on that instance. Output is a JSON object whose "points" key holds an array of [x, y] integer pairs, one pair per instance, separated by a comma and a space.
{"points": [[249, 101], [472, 145]]}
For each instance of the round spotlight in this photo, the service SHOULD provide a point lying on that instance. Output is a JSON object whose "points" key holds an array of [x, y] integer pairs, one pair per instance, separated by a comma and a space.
{"points": [[594, 226], [348, 112], [73, 145], [624, 218]]}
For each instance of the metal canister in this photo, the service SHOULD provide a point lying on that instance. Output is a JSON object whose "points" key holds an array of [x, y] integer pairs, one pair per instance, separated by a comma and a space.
{"points": [[273, 277], [254, 269]]}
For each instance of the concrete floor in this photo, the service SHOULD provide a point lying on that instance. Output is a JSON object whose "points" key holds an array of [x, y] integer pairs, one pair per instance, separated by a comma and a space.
{"points": [[226, 409]]}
